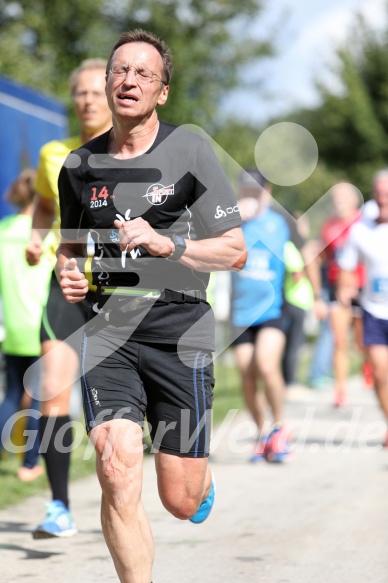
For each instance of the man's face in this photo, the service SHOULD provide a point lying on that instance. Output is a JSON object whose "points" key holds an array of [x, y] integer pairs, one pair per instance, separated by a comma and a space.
{"points": [[344, 200], [252, 201], [127, 98], [90, 102], [262, 195], [381, 197]]}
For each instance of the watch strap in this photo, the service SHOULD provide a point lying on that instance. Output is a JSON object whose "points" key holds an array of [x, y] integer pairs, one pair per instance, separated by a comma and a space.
{"points": [[180, 247]]}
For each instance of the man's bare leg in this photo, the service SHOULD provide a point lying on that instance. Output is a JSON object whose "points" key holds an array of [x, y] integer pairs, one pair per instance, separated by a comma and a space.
{"points": [[183, 483], [126, 529], [269, 349], [254, 399], [340, 321]]}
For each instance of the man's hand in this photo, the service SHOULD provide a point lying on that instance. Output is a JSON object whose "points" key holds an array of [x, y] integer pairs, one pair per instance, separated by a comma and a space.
{"points": [[34, 251], [73, 282], [320, 309], [138, 232]]}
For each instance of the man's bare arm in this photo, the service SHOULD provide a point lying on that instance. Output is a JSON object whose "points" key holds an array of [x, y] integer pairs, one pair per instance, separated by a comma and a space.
{"points": [[42, 220], [223, 252]]}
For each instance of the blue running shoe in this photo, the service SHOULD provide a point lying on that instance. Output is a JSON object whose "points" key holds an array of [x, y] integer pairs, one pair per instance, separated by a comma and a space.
{"points": [[278, 449], [259, 453], [58, 522], [206, 506]]}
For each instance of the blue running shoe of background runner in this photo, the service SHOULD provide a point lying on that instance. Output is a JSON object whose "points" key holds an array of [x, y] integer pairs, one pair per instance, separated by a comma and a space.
{"points": [[278, 448], [57, 523]]}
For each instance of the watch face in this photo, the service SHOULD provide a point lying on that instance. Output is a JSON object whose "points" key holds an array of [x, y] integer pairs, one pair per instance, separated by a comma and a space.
{"points": [[180, 246], [178, 240]]}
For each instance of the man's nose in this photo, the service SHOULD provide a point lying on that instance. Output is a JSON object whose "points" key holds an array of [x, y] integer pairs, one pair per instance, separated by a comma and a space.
{"points": [[130, 76]]}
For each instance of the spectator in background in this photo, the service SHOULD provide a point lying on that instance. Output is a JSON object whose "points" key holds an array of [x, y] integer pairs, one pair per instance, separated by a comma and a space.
{"points": [[23, 291], [62, 320]]}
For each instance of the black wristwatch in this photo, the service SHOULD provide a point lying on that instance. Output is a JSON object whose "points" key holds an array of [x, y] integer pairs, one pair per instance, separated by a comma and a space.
{"points": [[180, 246]]}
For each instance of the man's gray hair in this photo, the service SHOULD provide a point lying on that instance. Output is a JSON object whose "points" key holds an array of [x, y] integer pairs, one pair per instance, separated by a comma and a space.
{"points": [[383, 173]]}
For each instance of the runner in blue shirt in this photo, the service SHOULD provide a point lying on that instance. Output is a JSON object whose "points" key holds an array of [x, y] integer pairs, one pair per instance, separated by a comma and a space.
{"points": [[258, 324]]}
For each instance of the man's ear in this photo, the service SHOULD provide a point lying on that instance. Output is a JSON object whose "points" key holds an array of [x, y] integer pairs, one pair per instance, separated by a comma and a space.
{"points": [[163, 95]]}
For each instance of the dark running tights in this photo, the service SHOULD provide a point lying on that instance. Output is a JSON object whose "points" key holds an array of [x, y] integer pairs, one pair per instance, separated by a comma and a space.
{"points": [[56, 440]]}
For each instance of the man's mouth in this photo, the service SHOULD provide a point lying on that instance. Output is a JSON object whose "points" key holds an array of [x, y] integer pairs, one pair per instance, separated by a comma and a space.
{"points": [[128, 98]]}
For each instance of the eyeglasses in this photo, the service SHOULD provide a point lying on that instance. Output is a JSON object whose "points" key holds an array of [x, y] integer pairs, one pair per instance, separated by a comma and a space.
{"points": [[142, 74]]}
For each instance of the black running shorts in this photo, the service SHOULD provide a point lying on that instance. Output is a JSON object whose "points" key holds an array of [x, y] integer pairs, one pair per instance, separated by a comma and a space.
{"points": [[355, 303], [62, 320], [173, 388], [248, 335]]}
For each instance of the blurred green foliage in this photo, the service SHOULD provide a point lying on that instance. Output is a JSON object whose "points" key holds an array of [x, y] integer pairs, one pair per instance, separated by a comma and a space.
{"points": [[41, 42], [351, 124]]}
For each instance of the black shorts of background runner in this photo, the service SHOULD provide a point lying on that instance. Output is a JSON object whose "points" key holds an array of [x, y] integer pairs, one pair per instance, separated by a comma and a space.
{"points": [[62, 320], [355, 303], [375, 330], [248, 335], [127, 379]]}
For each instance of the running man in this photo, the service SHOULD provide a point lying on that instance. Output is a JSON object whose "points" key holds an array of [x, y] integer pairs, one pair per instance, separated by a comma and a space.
{"points": [[154, 198], [334, 234], [368, 242], [259, 328], [61, 320]]}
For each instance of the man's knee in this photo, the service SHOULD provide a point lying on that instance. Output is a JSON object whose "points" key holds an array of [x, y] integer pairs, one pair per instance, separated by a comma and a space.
{"points": [[117, 475], [268, 370], [181, 504], [181, 483], [340, 342], [121, 484], [119, 468]]}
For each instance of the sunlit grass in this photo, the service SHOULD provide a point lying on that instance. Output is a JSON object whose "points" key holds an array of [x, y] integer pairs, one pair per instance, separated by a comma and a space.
{"points": [[12, 490]]}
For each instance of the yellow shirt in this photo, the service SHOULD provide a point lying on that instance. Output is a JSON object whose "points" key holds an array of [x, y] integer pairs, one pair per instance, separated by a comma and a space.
{"points": [[51, 158]]}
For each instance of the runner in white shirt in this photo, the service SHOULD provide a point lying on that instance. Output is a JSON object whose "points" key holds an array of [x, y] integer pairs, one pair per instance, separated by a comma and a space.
{"points": [[368, 243]]}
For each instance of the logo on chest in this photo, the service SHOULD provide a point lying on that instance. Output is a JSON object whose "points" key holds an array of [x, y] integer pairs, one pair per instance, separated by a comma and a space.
{"points": [[157, 193]]}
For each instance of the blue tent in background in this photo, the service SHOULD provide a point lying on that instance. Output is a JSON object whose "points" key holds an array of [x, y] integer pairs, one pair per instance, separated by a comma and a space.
{"points": [[28, 120]]}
